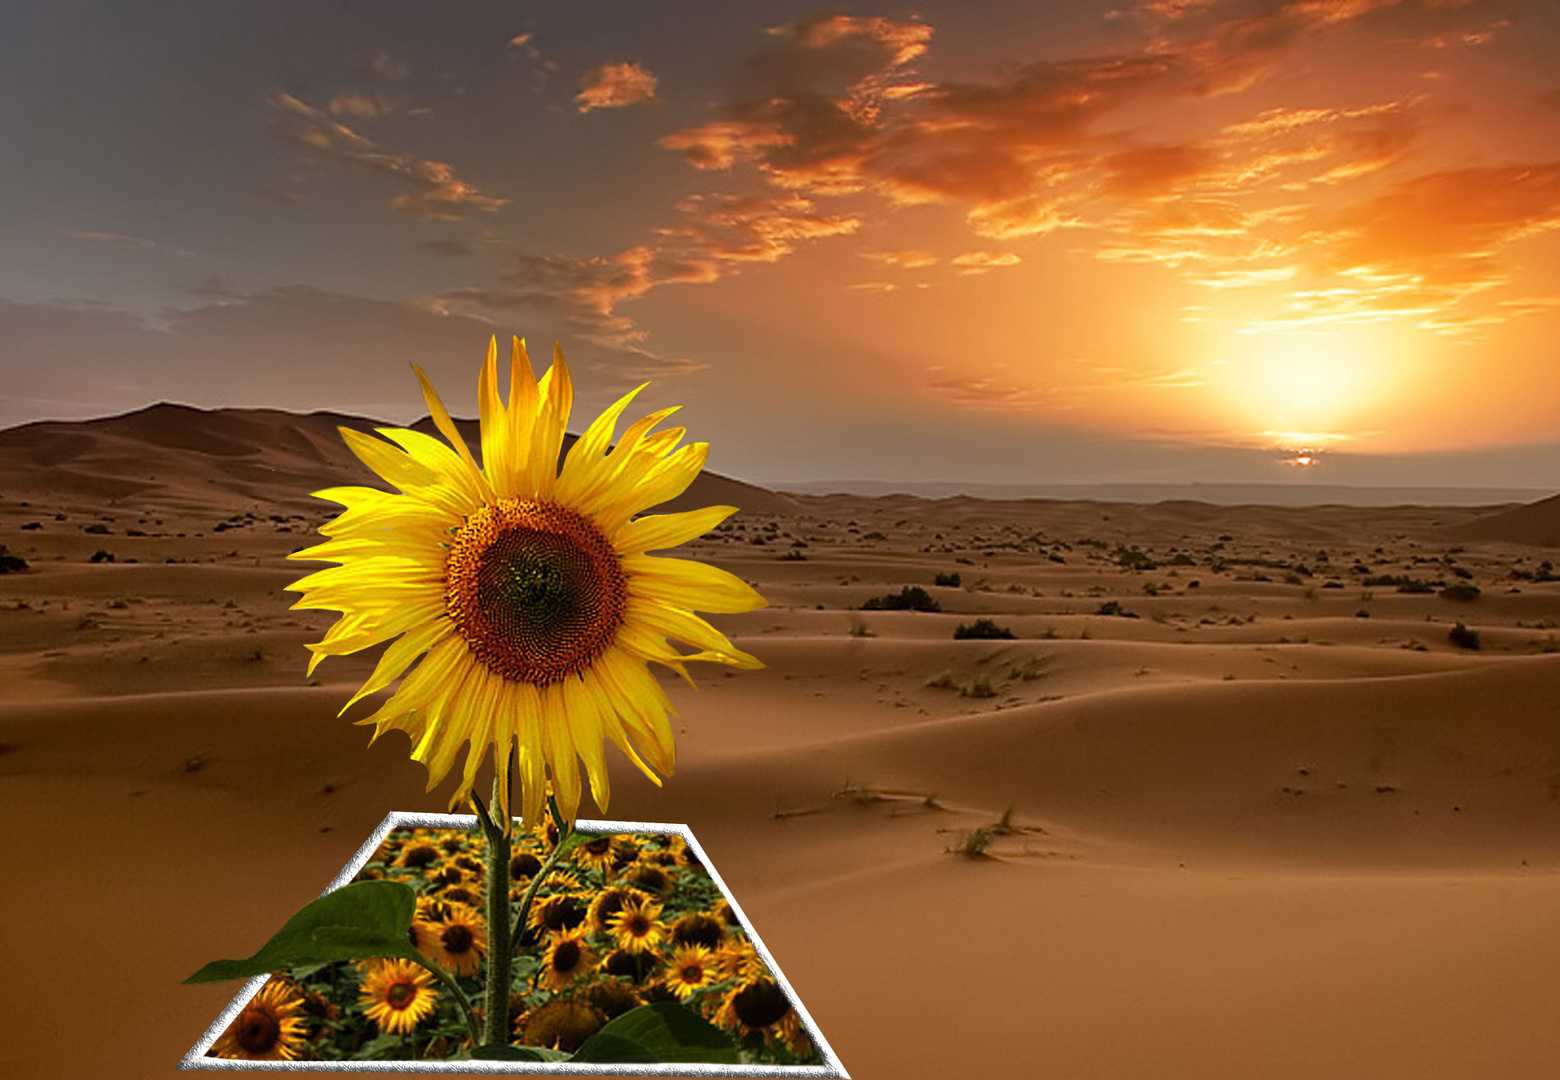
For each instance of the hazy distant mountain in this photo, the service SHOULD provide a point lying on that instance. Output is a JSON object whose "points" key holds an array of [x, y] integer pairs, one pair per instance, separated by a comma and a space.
{"points": [[179, 456], [1223, 494]]}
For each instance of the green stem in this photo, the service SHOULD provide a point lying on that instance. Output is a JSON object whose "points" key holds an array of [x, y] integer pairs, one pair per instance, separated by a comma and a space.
{"points": [[499, 957], [448, 982], [517, 935]]}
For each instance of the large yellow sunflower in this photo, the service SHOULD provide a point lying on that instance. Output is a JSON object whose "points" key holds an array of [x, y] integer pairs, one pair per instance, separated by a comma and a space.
{"points": [[526, 588]]}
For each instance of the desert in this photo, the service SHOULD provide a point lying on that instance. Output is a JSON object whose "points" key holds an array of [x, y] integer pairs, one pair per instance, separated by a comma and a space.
{"points": [[1232, 800]]}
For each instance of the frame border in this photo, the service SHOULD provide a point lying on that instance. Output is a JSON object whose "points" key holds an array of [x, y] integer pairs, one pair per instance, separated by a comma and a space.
{"points": [[196, 1057]]}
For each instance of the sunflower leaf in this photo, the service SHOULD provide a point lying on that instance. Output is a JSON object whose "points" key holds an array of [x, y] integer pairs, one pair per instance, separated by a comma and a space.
{"points": [[671, 1032], [507, 1052], [605, 1047], [355, 922]]}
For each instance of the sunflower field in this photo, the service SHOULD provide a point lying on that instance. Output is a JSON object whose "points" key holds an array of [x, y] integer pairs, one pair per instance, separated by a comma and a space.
{"points": [[623, 921]]}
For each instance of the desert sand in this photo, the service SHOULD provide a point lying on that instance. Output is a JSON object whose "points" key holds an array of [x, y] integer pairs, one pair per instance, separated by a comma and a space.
{"points": [[1259, 819]]}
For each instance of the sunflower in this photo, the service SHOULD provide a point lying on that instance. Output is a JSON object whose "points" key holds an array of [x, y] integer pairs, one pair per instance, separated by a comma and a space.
{"points": [[397, 994], [560, 1024], [635, 927], [690, 968], [698, 928], [608, 902], [269, 1028], [559, 912], [596, 854], [567, 959], [460, 939], [419, 855], [525, 587], [758, 1005]]}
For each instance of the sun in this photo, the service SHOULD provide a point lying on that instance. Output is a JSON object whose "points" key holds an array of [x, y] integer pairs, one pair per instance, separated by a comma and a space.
{"points": [[1315, 383]]}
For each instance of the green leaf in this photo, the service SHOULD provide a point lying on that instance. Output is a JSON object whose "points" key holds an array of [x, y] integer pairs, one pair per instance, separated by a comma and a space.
{"points": [[604, 1047], [507, 1052], [357, 921], [672, 1033]]}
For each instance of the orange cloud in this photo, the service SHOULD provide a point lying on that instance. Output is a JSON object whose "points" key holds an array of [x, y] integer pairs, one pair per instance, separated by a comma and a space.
{"points": [[437, 194], [612, 86]]}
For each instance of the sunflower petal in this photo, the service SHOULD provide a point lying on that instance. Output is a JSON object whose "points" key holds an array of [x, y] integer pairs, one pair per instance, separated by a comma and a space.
{"points": [[662, 531], [446, 426], [688, 584]]}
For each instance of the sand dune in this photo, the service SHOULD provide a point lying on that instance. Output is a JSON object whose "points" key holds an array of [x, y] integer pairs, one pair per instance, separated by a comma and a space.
{"points": [[1265, 817]]}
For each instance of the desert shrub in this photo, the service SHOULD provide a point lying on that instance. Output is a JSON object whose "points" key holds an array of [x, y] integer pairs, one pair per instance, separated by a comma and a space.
{"points": [[947, 581], [1463, 637], [1461, 592], [101, 556], [909, 598], [973, 844], [1113, 607], [99, 530], [980, 687], [981, 628], [11, 564], [794, 555], [942, 681], [859, 628], [874, 536]]}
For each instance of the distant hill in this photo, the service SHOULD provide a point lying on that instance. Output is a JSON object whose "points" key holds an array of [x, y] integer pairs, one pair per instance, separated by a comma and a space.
{"points": [[181, 457], [1537, 524], [1219, 494]]}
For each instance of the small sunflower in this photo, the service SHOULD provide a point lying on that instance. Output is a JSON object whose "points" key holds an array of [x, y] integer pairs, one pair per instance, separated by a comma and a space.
{"points": [[608, 902], [419, 855], [526, 588], [397, 994], [758, 1005], [691, 968], [567, 959], [698, 928], [560, 1024], [559, 912], [595, 854], [460, 939], [637, 928], [269, 1028]]}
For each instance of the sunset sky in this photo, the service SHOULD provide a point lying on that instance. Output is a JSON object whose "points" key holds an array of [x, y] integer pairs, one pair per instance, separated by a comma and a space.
{"points": [[990, 242]]}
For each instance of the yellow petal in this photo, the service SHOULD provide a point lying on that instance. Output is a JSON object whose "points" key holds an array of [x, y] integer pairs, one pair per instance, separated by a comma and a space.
{"points": [[687, 584], [399, 656], [661, 531], [446, 426]]}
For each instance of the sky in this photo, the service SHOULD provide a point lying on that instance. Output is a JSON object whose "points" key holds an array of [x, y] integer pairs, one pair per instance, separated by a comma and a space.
{"points": [[1004, 242]]}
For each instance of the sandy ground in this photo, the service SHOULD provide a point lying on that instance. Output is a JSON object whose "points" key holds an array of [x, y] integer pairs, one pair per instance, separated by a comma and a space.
{"points": [[1271, 822]]}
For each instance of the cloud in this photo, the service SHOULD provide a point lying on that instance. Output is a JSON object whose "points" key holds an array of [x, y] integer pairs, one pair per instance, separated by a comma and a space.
{"points": [[612, 86], [978, 262], [905, 260], [985, 393], [436, 193], [114, 238]]}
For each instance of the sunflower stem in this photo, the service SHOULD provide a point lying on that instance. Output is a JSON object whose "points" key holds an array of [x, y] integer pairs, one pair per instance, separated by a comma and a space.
{"points": [[448, 982], [517, 935], [500, 958]]}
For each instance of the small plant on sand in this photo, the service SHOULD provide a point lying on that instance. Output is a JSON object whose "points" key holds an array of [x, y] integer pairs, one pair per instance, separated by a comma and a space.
{"points": [[942, 681], [909, 598], [859, 628], [1463, 637], [1461, 592], [1004, 825], [982, 628], [1113, 607], [948, 581], [11, 564], [979, 687], [973, 844]]}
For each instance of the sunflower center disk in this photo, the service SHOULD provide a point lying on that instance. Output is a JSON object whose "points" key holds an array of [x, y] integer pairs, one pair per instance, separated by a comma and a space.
{"points": [[536, 590]]}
